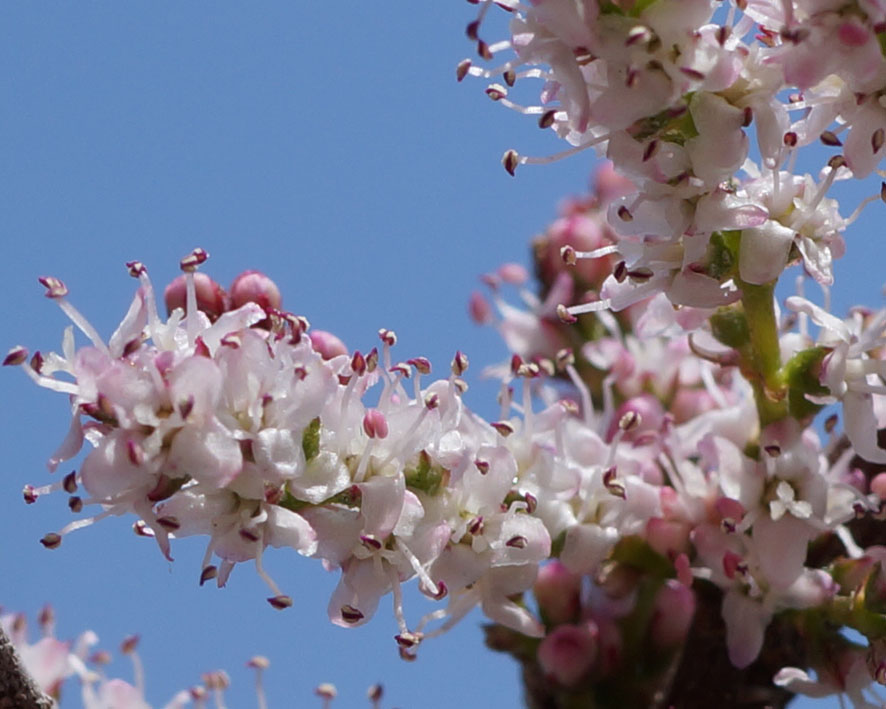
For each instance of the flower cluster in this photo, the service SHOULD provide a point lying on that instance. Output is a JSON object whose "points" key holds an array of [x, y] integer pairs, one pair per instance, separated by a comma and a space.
{"points": [[668, 93], [656, 451], [749, 494], [50, 662], [239, 424]]}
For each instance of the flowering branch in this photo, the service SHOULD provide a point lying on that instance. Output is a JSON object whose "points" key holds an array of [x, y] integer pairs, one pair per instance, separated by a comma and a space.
{"points": [[654, 478]]}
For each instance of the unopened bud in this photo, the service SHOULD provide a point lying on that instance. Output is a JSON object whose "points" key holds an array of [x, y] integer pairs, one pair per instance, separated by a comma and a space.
{"points": [[255, 287], [558, 593], [479, 309], [210, 296], [375, 425], [568, 652], [673, 610]]}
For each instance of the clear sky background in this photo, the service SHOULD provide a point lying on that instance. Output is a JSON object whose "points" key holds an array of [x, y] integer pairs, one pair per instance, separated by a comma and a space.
{"points": [[327, 144]]}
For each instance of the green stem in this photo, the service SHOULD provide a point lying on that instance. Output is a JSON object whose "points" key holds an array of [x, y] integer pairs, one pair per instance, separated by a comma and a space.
{"points": [[758, 302]]}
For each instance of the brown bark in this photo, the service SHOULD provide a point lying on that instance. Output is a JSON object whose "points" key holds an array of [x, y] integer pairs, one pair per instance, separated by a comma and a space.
{"points": [[701, 676], [17, 689]]}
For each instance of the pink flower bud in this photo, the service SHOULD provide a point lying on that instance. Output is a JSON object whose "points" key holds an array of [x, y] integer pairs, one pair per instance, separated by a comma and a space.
{"points": [[479, 309], [672, 615], [326, 344], [581, 231], [513, 273], [609, 185], [878, 485], [689, 403], [375, 424], [568, 652], [558, 592], [667, 537], [255, 287], [610, 644], [211, 298], [853, 33]]}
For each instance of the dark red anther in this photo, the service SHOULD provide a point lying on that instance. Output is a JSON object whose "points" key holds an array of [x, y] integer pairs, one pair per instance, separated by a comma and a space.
{"points": [[208, 573], [69, 483], [358, 364], [351, 615], [51, 540], [370, 542], [518, 541], [30, 494], [15, 356], [194, 259], [136, 268], [461, 71], [55, 288], [280, 602], [250, 535], [422, 364]]}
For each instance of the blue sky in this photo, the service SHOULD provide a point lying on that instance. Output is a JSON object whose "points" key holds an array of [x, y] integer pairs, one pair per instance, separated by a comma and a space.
{"points": [[327, 144]]}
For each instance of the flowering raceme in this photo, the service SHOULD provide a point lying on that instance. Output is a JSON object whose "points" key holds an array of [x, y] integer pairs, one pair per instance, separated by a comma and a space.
{"points": [[756, 503], [657, 478]]}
